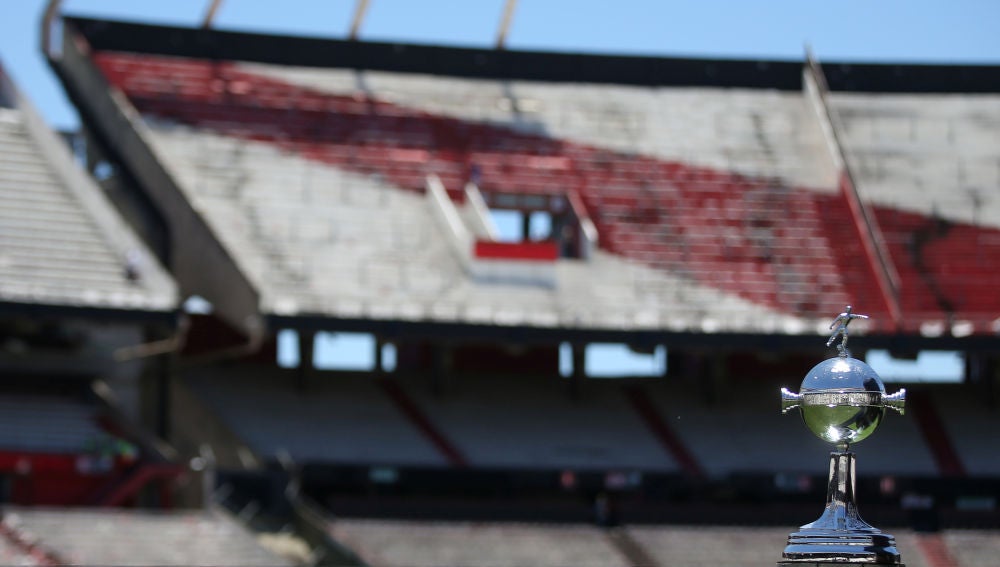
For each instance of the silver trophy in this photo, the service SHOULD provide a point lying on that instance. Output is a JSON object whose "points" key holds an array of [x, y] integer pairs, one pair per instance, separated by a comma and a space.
{"points": [[842, 401]]}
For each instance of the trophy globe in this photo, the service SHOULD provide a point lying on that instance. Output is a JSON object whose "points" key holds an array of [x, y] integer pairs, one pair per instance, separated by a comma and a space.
{"points": [[842, 401]]}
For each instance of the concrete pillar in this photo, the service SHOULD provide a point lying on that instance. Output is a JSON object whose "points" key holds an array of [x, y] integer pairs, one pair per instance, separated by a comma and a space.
{"points": [[155, 385], [579, 373], [440, 367], [379, 365], [307, 342]]}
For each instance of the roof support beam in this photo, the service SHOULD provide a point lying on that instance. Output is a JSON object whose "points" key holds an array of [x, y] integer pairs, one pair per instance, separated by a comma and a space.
{"points": [[206, 23], [508, 15], [359, 17], [48, 17], [199, 261]]}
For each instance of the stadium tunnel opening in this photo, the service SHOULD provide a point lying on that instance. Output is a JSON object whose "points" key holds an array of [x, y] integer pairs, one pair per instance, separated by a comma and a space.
{"points": [[535, 218], [520, 226]]}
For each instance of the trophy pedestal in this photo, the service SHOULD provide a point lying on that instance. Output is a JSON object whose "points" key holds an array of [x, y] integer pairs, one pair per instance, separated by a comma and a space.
{"points": [[826, 547], [840, 535], [818, 564]]}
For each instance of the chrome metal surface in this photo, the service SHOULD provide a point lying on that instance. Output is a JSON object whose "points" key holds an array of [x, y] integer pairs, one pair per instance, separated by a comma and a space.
{"points": [[789, 400], [840, 535], [843, 401], [839, 327], [842, 373], [896, 401]]}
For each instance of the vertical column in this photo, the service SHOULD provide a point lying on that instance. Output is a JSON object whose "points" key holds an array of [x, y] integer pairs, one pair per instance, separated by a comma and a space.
{"points": [[579, 370], [379, 368], [165, 367], [307, 345], [155, 382], [717, 376], [440, 373], [841, 511]]}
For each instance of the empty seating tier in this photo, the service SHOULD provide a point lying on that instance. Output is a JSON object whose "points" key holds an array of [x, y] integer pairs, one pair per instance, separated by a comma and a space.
{"points": [[521, 423], [48, 424], [400, 543], [732, 190], [343, 419], [929, 164], [63, 245], [117, 537]]}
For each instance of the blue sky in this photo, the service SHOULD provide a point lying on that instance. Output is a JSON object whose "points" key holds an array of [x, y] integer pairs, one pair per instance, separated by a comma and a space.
{"points": [[854, 30]]}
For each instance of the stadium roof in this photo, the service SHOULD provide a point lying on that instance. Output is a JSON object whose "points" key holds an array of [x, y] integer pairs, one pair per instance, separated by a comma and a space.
{"points": [[720, 200], [62, 243], [223, 45]]}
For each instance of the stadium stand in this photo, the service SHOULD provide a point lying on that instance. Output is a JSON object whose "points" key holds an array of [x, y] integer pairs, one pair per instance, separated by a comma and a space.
{"points": [[63, 243], [717, 208], [13, 551], [494, 423], [737, 433], [964, 418], [928, 162], [386, 543], [76, 284], [971, 548], [118, 537], [510, 422], [907, 147], [619, 188], [515, 422], [62, 449], [728, 197], [500, 422], [47, 424], [697, 546], [608, 180], [322, 424]]}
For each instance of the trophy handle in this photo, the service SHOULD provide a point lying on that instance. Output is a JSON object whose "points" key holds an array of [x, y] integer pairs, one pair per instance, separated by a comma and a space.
{"points": [[789, 400], [896, 401]]}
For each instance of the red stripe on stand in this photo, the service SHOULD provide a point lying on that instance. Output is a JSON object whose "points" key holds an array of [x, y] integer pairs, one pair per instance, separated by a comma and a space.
{"points": [[417, 417], [664, 434], [935, 435]]}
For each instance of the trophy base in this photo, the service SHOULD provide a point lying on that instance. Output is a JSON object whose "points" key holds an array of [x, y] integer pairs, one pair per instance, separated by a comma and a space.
{"points": [[840, 535], [819, 564], [825, 547]]}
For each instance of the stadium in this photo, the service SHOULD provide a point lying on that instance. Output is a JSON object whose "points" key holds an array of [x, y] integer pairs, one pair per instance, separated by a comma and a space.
{"points": [[476, 228]]}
